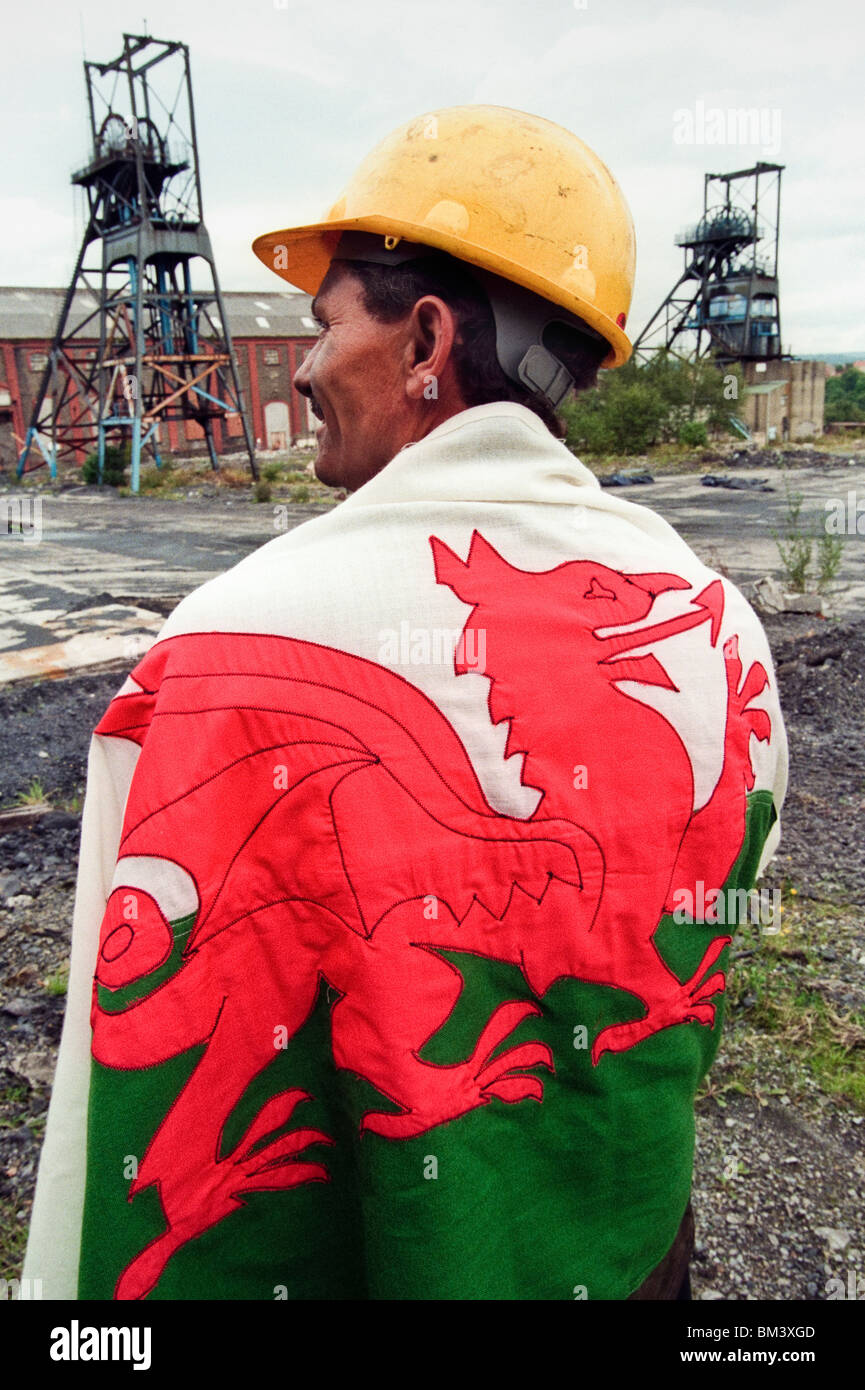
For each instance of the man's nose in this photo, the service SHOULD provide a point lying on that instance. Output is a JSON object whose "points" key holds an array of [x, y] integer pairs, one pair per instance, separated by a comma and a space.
{"points": [[300, 380]]}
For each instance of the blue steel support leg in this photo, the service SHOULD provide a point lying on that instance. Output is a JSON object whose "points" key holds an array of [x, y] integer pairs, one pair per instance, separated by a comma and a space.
{"points": [[136, 452]]}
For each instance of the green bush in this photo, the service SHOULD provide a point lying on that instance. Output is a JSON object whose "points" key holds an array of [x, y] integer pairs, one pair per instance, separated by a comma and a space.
{"points": [[619, 416], [638, 405], [117, 457], [261, 491], [693, 432]]}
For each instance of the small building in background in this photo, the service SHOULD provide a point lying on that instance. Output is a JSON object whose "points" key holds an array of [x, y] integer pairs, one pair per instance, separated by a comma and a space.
{"points": [[271, 334], [784, 400]]}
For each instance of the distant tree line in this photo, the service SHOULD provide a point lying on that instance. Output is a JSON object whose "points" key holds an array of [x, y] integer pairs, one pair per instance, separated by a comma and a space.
{"points": [[665, 400]]}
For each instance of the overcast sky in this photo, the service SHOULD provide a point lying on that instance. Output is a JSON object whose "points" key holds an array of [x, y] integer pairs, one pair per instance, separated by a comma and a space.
{"points": [[291, 94]]}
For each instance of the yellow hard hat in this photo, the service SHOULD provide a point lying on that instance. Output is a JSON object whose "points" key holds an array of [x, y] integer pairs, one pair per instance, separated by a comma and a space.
{"points": [[511, 193]]}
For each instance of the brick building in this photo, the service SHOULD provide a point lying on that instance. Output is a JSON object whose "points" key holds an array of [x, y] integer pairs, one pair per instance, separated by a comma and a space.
{"points": [[271, 333]]}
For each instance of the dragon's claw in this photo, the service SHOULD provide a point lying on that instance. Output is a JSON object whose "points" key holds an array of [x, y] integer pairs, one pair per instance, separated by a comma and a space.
{"points": [[452, 1091], [688, 1003]]}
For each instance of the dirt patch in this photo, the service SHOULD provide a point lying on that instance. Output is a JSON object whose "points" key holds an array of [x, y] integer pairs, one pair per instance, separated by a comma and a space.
{"points": [[46, 732]]}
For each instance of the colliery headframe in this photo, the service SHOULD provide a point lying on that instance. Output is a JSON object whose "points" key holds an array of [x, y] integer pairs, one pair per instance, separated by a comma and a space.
{"points": [[164, 347], [726, 306], [725, 303]]}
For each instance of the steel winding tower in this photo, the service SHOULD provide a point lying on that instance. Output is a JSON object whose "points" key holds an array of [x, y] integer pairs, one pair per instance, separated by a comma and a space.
{"points": [[725, 303], [165, 351]]}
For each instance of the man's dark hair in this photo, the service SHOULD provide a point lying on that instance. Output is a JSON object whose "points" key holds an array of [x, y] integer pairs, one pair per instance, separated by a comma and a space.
{"points": [[391, 292]]}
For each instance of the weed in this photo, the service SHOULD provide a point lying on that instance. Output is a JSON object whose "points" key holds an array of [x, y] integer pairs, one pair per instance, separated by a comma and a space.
{"points": [[713, 1088], [35, 794], [58, 983], [830, 552], [13, 1239], [231, 477], [795, 546], [152, 479], [14, 1095]]}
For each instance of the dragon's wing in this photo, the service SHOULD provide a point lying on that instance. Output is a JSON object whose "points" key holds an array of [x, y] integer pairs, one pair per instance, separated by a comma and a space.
{"points": [[252, 750]]}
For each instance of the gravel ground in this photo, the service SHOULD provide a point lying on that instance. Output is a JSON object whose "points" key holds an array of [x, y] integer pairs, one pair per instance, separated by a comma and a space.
{"points": [[780, 1170]]}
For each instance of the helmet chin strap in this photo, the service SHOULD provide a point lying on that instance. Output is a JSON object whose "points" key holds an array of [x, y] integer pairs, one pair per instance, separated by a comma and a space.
{"points": [[521, 317]]}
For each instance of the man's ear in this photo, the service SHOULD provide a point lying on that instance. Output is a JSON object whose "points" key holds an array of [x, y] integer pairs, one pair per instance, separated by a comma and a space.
{"points": [[432, 329]]}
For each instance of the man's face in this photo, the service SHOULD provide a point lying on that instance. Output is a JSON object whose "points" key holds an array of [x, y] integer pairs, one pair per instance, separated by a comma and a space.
{"points": [[354, 379]]}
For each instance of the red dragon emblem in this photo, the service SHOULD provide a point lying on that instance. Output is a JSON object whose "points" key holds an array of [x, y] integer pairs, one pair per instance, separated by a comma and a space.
{"points": [[307, 806]]}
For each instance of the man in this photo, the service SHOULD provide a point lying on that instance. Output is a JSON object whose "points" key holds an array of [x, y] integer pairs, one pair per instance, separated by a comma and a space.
{"points": [[408, 848]]}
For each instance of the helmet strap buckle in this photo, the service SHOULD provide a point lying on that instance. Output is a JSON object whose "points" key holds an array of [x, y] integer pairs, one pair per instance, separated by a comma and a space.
{"points": [[545, 375]]}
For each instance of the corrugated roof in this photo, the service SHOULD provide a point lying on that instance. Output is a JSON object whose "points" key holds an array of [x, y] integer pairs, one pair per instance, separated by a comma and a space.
{"points": [[33, 313]]}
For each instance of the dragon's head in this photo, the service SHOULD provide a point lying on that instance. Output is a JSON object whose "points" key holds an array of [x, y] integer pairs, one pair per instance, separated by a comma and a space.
{"points": [[575, 598]]}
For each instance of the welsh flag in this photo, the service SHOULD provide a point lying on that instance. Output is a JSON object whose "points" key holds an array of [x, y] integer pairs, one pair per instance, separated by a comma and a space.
{"points": [[358, 1035]]}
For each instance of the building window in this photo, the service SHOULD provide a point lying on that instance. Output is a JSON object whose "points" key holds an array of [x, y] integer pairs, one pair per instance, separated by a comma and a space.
{"points": [[728, 306], [38, 361], [271, 357], [763, 307]]}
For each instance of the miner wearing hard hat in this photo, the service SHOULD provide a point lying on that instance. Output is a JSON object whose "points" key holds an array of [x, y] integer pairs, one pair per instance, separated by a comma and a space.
{"points": [[402, 927]]}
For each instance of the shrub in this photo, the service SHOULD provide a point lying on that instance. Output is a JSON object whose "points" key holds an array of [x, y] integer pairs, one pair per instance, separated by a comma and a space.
{"points": [[693, 433], [637, 406], [117, 458]]}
